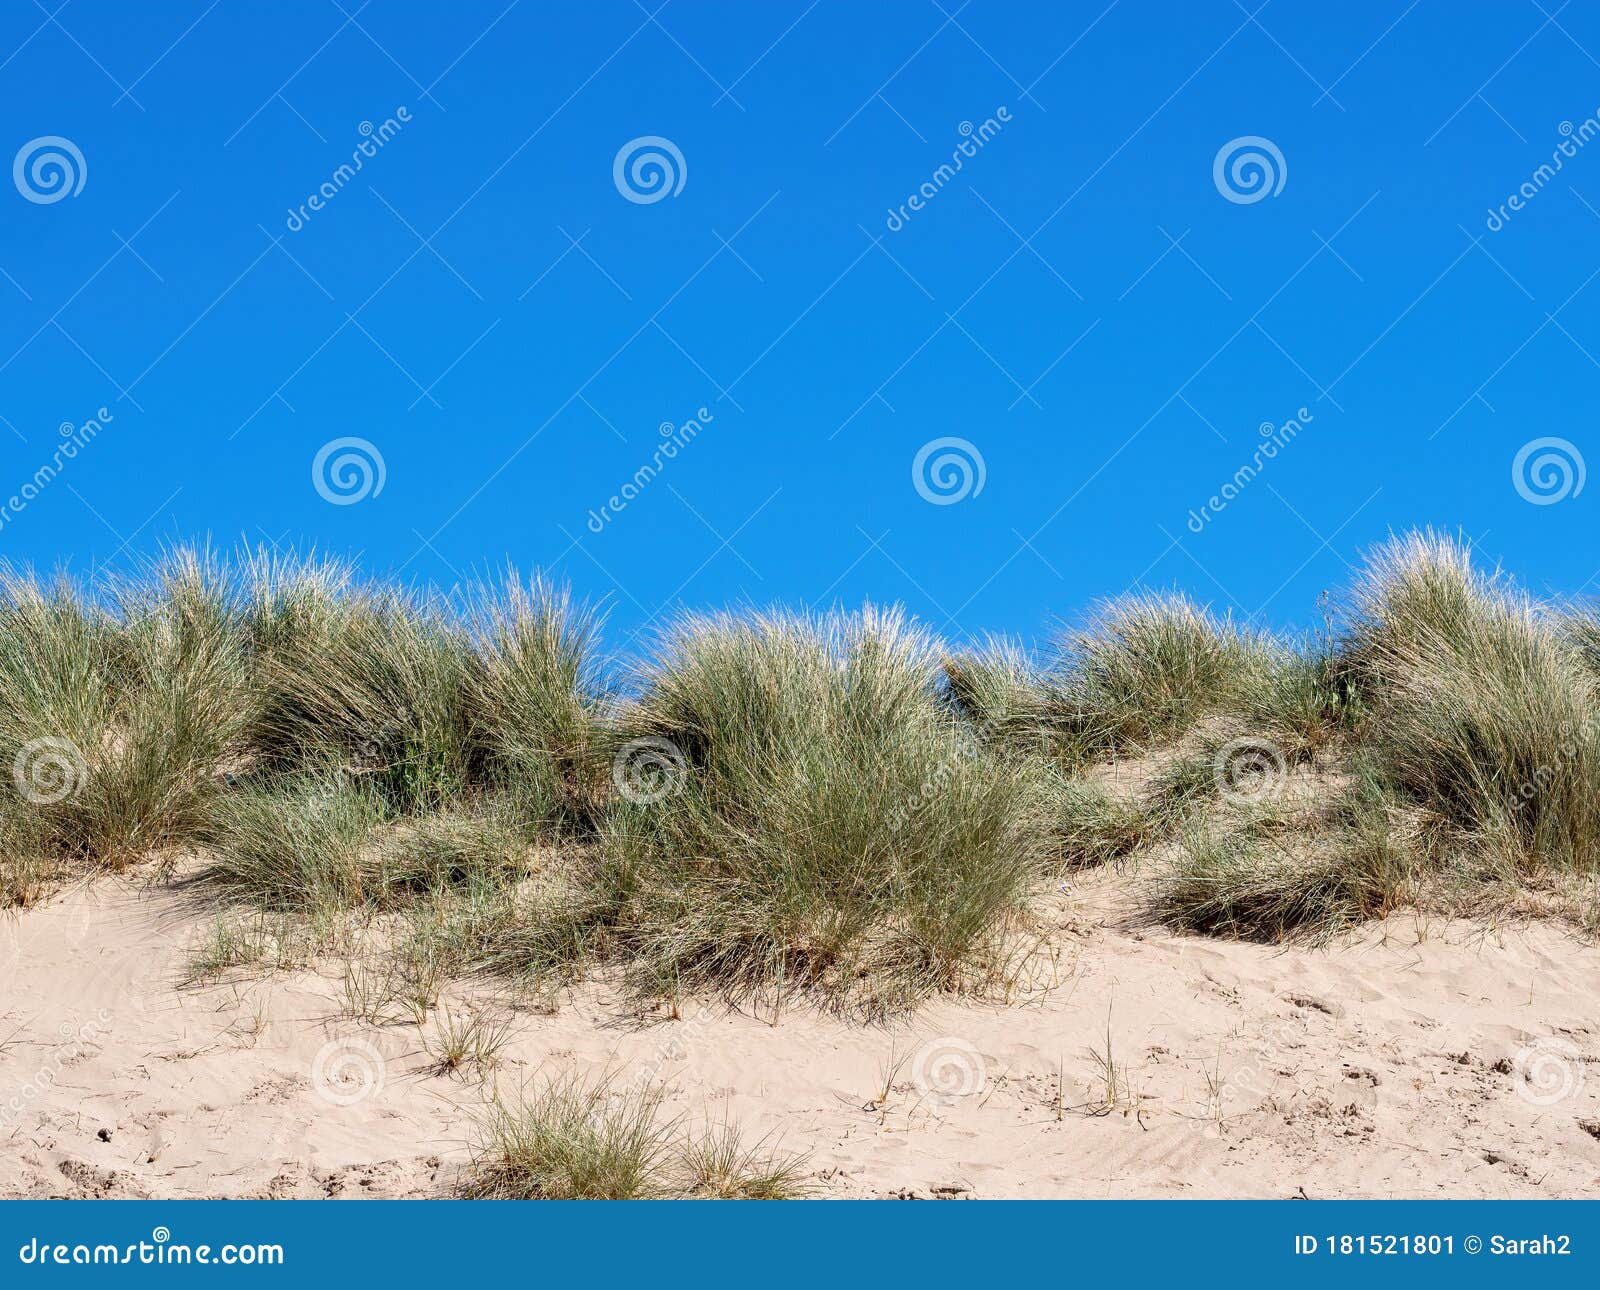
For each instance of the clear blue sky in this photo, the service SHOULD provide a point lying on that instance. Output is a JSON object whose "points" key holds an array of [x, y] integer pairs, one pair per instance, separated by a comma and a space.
{"points": [[1081, 303]]}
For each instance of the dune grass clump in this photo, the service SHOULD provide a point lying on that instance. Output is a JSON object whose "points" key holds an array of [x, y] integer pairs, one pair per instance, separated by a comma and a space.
{"points": [[1087, 824], [118, 710], [366, 678], [717, 1165], [28, 870], [408, 759], [485, 846], [335, 842], [1187, 784], [538, 702], [1298, 697], [435, 703], [1461, 706], [181, 672], [1234, 884], [600, 1139], [397, 751], [1579, 626], [1485, 713], [1146, 670], [575, 1140], [1006, 699], [56, 701], [1417, 592], [1508, 752], [779, 802], [296, 605], [1266, 875], [817, 818], [299, 844], [562, 920], [1140, 674]]}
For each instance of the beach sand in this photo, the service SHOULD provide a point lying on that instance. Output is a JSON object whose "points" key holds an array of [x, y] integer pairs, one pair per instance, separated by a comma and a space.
{"points": [[1418, 1059]]}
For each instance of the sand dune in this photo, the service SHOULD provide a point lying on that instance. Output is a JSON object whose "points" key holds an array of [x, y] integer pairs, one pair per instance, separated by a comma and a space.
{"points": [[1420, 1059]]}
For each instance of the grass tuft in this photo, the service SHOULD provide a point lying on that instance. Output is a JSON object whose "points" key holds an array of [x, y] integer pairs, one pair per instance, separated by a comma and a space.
{"points": [[368, 680], [1484, 714], [1298, 698], [1238, 886], [1089, 824], [718, 1166], [301, 844], [598, 1139], [537, 701], [816, 820], [117, 710], [1273, 875], [1143, 672], [573, 1139]]}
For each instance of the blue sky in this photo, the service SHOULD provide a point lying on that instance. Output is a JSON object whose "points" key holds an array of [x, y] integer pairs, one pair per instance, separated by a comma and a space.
{"points": [[1099, 314]]}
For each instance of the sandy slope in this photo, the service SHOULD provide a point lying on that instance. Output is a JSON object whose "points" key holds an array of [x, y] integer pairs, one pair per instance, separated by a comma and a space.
{"points": [[1420, 1060]]}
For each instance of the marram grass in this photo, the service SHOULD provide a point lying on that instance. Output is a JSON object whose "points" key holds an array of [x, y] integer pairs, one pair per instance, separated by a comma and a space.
{"points": [[782, 804]]}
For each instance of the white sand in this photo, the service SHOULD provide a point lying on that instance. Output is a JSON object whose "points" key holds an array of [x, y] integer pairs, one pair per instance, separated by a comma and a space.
{"points": [[1421, 1059]]}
